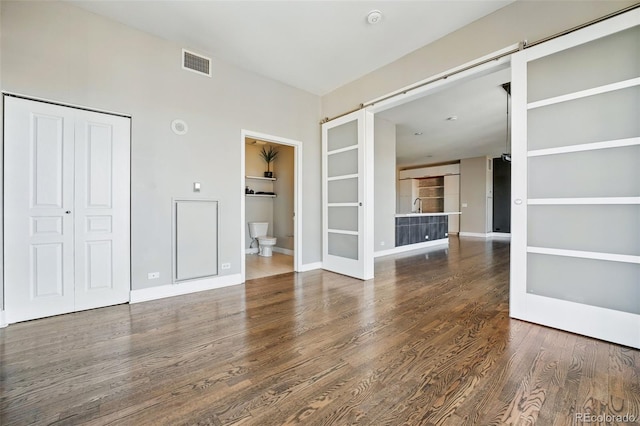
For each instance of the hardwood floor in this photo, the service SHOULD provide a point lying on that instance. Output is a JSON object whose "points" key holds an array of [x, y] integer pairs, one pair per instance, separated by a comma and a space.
{"points": [[429, 341], [260, 266]]}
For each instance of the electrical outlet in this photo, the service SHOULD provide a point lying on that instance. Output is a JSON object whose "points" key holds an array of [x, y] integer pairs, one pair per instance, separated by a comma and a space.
{"points": [[153, 275], [381, 243], [225, 266]]}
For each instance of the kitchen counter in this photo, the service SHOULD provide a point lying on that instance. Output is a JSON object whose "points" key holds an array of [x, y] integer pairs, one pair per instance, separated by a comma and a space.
{"points": [[419, 228], [425, 214]]}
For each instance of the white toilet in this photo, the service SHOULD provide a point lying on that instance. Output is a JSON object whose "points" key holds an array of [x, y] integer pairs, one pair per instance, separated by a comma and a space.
{"points": [[258, 231]]}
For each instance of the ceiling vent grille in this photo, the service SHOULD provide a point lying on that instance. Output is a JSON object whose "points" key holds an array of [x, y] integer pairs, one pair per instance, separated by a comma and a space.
{"points": [[197, 63]]}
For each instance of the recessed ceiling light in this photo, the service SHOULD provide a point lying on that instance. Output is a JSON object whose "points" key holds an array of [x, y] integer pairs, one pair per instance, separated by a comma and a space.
{"points": [[417, 133], [452, 118]]}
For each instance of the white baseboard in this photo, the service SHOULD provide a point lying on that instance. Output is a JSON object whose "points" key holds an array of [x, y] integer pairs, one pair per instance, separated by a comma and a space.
{"points": [[411, 247], [310, 266], [3, 320], [497, 235], [251, 251], [473, 234], [194, 286], [283, 251], [500, 235]]}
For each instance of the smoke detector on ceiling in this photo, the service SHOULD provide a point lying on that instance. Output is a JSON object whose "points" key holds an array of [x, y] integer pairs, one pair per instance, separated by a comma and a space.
{"points": [[374, 17], [179, 127]]}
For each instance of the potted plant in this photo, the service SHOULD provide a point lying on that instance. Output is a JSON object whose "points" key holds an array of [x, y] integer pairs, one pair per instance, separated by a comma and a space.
{"points": [[268, 155]]}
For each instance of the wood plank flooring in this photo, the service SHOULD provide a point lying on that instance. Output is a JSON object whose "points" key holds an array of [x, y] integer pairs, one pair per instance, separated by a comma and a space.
{"points": [[260, 266], [428, 341]]}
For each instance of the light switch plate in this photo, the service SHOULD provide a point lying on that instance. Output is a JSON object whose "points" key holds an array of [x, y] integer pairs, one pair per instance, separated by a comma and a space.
{"points": [[196, 186]]}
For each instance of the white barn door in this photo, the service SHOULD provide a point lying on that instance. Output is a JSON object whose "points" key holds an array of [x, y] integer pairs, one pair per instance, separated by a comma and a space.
{"points": [[575, 261], [66, 209], [347, 195]]}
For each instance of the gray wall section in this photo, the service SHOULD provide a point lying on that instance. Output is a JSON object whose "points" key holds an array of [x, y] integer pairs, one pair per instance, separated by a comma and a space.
{"points": [[59, 52], [384, 184], [522, 20], [473, 188]]}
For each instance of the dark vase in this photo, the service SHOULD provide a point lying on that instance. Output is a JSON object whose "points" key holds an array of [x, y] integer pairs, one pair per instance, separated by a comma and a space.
{"points": [[268, 174]]}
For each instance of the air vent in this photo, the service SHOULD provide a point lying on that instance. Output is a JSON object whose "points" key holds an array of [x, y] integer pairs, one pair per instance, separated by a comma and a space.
{"points": [[197, 63]]}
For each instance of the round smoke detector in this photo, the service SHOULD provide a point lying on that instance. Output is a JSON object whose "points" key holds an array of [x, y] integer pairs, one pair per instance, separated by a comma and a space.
{"points": [[179, 127], [374, 17]]}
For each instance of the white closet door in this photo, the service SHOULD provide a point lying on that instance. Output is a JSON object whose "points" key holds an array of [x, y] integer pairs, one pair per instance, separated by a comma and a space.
{"points": [[66, 211], [101, 209], [575, 262], [38, 238]]}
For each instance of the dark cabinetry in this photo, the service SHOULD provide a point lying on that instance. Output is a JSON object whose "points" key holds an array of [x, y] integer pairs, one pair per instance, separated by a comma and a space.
{"points": [[420, 229]]}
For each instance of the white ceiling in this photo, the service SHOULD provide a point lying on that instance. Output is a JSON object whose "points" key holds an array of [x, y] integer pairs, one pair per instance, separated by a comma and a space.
{"points": [[316, 46], [480, 106], [319, 46]]}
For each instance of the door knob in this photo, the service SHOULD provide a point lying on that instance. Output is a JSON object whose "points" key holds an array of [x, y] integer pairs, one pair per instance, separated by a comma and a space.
{"points": [[518, 201], [68, 212]]}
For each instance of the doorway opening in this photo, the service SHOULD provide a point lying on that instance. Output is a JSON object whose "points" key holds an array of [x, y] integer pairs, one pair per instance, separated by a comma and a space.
{"points": [[271, 227], [447, 139], [493, 69]]}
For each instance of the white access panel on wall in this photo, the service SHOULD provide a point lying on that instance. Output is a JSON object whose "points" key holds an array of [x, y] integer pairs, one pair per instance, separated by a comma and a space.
{"points": [[195, 239], [66, 209]]}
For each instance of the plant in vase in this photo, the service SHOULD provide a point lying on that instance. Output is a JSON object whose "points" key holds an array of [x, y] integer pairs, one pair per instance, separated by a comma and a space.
{"points": [[268, 155]]}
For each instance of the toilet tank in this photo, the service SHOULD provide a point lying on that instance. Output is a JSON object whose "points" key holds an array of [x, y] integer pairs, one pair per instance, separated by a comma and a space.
{"points": [[258, 229]]}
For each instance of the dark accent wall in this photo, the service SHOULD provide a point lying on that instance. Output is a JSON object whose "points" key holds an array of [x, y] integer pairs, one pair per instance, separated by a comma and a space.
{"points": [[501, 195]]}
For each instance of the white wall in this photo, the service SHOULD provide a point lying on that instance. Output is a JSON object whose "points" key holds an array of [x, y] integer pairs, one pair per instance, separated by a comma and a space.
{"points": [[522, 20], [56, 51], [283, 204], [473, 193], [384, 184], [1, 178]]}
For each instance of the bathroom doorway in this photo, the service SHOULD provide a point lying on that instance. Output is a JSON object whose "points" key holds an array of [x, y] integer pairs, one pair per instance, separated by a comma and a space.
{"points": [[271, 201]]}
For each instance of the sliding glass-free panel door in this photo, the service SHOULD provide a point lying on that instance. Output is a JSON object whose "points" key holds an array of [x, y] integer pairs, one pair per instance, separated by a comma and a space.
{"points": [[576, 182], [347, 195]]}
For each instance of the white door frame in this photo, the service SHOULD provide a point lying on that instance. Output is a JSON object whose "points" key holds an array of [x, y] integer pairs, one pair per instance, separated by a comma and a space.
{"points": [[297, 190]]}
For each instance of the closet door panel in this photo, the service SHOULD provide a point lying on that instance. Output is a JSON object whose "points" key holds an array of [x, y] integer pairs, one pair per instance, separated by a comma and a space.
{"points": [[102, 210], [38, 221]]}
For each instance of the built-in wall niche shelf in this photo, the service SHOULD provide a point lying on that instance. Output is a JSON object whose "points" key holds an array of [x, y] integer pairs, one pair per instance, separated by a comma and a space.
{"points": [[262, 186], [431, 194], [259, 178]]}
